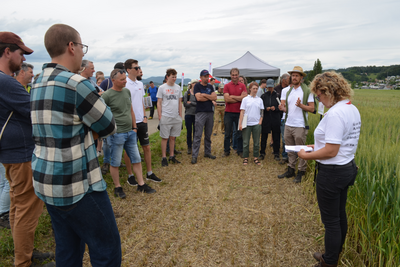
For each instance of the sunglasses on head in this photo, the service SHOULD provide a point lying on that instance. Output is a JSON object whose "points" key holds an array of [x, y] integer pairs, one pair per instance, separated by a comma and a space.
{"points": [[119, 71]]}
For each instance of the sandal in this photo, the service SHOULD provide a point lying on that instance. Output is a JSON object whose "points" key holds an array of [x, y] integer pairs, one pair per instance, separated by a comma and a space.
{"points": [[257, 162], [245, 161]]}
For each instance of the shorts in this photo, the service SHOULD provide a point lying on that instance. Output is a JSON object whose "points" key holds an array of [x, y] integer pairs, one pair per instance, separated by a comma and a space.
{"points": [[142, 133], [167, 130], [127, 141]]}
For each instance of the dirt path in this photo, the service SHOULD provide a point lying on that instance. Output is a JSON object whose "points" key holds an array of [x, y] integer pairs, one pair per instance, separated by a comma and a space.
{"points": [[218, 213]]}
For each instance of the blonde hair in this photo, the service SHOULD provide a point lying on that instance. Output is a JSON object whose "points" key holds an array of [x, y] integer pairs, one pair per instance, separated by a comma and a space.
{"points": [[333, 85]]}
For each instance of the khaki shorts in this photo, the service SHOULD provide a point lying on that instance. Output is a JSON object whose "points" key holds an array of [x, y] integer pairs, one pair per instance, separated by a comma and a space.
{"points": [[167, 130]]}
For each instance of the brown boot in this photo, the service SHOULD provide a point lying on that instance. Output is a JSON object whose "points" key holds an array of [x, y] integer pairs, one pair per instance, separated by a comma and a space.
{"points": [[322, 261]]}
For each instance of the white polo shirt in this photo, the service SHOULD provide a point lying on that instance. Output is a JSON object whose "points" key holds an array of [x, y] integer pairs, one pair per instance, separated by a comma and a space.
{"points": [[295, 116], [252, 107], [341, 125], [137, 94], [284, 92]]}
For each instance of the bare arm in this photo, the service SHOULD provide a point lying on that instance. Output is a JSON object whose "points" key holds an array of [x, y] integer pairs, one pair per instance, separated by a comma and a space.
{"points": [[282, 106], [262, 116], [144, 112], [327, 152], [133, 119], [180, 107], [159, 107]]}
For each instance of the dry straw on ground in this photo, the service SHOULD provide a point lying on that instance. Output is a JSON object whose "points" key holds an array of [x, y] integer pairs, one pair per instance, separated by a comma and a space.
{"points": [[218, 213]]}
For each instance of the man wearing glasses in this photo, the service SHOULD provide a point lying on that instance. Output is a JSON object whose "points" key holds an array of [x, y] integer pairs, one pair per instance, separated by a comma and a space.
{"points": [[137, 93], [66, 112]]}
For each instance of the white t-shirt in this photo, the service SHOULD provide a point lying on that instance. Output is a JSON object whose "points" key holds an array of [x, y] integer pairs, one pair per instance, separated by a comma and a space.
{"points": [[295, 116], [137, 94], [252, 107], [170, 100], [283, 93], [340, 125]]}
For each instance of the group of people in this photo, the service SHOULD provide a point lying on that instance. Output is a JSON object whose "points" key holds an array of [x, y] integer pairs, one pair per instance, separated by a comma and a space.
{"points": [[65, 113]]}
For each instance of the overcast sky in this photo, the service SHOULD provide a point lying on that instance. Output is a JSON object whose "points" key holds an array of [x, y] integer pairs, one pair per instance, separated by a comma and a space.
{"points": [[187, 35]]}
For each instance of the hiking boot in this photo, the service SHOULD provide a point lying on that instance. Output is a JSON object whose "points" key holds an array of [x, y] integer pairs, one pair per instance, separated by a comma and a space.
{"points": [[173, 160], [118, 192], [289, 173], [276, 157], [42, 256], [153, 177], [262, 156], [5, 220], [226, 154], [284, 161], [145, 189], [317, 256], [164, 162], [194, 160], [210, 156], [189, 150], [298, 176], [132, 181], [105, 168], [177, 152]]}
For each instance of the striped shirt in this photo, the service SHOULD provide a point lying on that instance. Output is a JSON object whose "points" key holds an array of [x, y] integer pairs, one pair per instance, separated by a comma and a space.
{"points": [[65, 109]]}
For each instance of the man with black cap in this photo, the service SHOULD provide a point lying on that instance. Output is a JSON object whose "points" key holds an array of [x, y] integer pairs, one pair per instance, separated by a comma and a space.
{"points": [[204, 117], [16, 148], [297, 102]]}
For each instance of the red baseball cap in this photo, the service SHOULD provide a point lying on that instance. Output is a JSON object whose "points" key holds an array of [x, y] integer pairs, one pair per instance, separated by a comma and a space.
{"points": [[12, 38]]}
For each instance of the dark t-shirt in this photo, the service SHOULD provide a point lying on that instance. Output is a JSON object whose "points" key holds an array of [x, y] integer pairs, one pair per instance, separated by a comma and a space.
{"points": [[204, 106], [106, 84]]}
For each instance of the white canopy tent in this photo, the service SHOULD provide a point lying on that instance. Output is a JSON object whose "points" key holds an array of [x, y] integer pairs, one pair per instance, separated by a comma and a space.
{"points": [[249, 66]]}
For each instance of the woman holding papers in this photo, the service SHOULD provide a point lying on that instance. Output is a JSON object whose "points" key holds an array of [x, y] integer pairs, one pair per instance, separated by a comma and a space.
{"points": [[250, 120], [336, 139]]}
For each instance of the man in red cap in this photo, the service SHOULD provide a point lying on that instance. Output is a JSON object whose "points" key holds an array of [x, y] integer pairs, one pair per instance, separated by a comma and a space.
{"points": [[16, 147]]}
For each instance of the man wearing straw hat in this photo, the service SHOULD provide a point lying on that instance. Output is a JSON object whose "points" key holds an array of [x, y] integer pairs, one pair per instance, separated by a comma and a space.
{"points": [[16, 149], [297, 102]]}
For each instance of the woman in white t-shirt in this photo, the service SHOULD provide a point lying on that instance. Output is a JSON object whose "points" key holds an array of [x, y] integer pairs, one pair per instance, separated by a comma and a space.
{"points": [[252, 107], [336, 140]]}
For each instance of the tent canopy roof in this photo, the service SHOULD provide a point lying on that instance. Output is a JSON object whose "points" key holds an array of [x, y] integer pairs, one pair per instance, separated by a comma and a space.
{"points": [[249, 66]]}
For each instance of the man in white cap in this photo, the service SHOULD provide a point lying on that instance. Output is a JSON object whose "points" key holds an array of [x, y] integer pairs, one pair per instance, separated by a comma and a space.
{"points": [[297, 102]]}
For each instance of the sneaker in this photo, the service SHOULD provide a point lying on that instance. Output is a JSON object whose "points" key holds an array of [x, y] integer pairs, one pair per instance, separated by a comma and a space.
{"points": [[5, 221], [194, 160], [153, 177], [189, 150], [210, 156], [173, 159], [105, 168], [118, 192], [145, 189], [164, 162], [132, 180], [150, 118], [98, 153], [276, 157]]}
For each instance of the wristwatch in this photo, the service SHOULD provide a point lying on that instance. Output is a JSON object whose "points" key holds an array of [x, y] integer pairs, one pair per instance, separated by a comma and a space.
{"points": [[134, 128], [144, 117]]}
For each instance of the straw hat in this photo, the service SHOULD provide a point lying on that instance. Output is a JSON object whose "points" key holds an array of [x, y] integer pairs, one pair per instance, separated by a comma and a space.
{"points": [[298, 69]]}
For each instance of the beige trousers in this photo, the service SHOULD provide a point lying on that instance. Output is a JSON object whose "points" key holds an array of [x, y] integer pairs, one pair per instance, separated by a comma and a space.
{"points": [[295, 136]]}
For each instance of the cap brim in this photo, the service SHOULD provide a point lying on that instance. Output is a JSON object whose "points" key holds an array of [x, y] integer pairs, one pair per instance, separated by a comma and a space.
{"points": [[27, 50]]}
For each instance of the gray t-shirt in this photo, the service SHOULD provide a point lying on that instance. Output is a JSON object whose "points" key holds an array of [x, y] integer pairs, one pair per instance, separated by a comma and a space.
{"points": [[170, 96]]}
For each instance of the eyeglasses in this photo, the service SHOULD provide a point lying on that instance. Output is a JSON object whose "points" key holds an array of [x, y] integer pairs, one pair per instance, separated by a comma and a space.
{"points": [[119, 71], [317, 97], [85, 48]]}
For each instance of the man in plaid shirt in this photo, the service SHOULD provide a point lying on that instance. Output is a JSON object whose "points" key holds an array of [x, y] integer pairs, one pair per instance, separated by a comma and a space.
{"points": [[66, 111]]}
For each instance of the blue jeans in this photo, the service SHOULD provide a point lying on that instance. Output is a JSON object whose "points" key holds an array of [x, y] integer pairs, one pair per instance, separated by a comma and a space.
{"points": [[231, 121], [189, 123], [4, 191], [121, 141], [284, 153], [90, 221], [106, 150]]}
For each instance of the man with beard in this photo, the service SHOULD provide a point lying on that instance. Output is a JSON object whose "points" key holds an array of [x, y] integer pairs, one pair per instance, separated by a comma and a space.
{"points": [[297, 102], [16, 149]]}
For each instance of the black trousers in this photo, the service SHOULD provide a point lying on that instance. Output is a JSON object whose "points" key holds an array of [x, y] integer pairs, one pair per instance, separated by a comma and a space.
{"points": [[276, 137], [152, 108], [333, 182]]}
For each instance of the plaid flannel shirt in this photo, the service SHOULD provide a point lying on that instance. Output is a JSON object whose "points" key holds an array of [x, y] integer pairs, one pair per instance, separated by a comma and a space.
{"points": [[65, 108]]}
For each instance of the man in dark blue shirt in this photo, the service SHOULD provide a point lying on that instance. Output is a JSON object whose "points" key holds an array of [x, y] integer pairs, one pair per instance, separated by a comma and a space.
{"points": [[204, 117]]}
